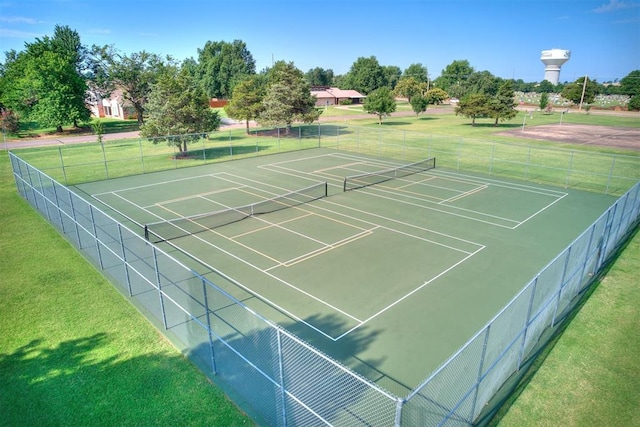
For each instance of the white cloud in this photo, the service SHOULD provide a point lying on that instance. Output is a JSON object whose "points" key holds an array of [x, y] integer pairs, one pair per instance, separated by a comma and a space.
{"points": [[18, 20], [17, 34], [614, 5]]}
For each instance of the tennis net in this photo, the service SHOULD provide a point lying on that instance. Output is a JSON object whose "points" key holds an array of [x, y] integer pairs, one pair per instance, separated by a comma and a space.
{"points": [[163, 231], [370, 178]]}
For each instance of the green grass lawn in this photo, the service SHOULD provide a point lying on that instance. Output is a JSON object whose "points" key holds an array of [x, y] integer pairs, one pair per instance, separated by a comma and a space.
{"points": [[32, 129], [74, 351], [591, 376]]}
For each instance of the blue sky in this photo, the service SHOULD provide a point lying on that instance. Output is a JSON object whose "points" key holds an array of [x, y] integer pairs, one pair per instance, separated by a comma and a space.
{"points": [[504, 37]]}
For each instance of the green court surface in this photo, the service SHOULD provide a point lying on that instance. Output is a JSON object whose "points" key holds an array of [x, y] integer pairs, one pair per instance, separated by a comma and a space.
{"points": [[390, 279]]}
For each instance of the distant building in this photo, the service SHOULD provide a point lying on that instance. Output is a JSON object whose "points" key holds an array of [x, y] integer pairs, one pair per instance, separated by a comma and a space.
{"points": [[114, 107], [326, 95]]}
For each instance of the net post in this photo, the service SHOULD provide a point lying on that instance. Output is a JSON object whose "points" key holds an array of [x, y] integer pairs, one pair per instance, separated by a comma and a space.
{"points": [[344, 185], [326, 189], [146, 233]]}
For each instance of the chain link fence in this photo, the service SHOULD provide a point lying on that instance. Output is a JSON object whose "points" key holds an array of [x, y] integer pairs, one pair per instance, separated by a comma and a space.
{"points": [[285, 380]]}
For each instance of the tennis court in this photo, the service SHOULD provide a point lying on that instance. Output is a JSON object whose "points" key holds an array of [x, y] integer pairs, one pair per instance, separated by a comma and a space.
{"points": [[389, 277]]}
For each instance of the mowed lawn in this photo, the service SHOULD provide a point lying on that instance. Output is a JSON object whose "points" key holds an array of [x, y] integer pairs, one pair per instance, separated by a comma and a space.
{"points": [[73, 351]]}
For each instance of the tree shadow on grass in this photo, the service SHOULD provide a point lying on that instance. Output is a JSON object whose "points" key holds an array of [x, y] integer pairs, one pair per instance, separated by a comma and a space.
{"points": [[493, 126], [90, 381]]}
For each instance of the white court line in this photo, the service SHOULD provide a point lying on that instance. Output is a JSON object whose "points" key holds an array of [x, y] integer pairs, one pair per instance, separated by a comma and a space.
{"points": [[158, 183], [541, 210], [319, 251], [398, 301], [382, 217], [373, 188], [465, 194]]}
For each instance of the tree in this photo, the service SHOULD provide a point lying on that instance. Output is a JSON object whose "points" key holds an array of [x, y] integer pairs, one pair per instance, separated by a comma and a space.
{"points": [[288, 97], [133, 74], [392, 75], [482, 82], [380, 102], [365, 76], [634, 103], [246, 101], [436, 96], [545, 86], [409, 87], [44, 83], [503, 106], [630, 84], [544, 101], [573, 92], [178, 110], [473, 106], [418, 72], [456, 73], [319, 77], [222, 65], [419, 104]]}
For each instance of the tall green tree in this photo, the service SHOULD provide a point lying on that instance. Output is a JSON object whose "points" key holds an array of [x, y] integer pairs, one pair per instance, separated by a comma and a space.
{"points": [[419, 104], [436, 96], [574, 91], [287, 98], [178, 107], [134, 74], [503, 105], [380, 102], [365, 76], [417, 71], [630, 84], [454, 74], [473, 106], [44, 82], [319, 77], [482, 82], [392, 75], [222, 65], [246, 101], [408, 87]]}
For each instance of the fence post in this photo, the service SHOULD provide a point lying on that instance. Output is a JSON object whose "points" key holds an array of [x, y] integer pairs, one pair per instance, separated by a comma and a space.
{"points": [[141, 155], [613, 163], [209, 329], [566, 182], [44, 198], [399, 406], [480, 368], [64, 170], [104, 159], [283, 395], [528, 319], [95, 235], [124, 259], [564, 275], [75, 220], [159, 283]]}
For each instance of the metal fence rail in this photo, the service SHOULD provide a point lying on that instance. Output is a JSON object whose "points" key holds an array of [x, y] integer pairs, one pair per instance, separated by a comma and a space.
{"points": [[287, 381]]}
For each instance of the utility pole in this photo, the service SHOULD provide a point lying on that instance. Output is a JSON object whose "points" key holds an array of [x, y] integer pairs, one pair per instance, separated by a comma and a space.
{"points": [[584, 87]]}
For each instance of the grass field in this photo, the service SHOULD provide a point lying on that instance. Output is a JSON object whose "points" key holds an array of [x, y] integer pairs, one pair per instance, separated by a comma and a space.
{"points": [[65, 365], [64, 360]]}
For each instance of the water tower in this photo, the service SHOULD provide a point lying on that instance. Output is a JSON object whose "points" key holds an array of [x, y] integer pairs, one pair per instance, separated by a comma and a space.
{"points": [[553, 60]]}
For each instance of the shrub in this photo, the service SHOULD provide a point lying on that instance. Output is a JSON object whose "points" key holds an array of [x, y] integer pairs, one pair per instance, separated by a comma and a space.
{"points": [[10, 122], [634, 103]]}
